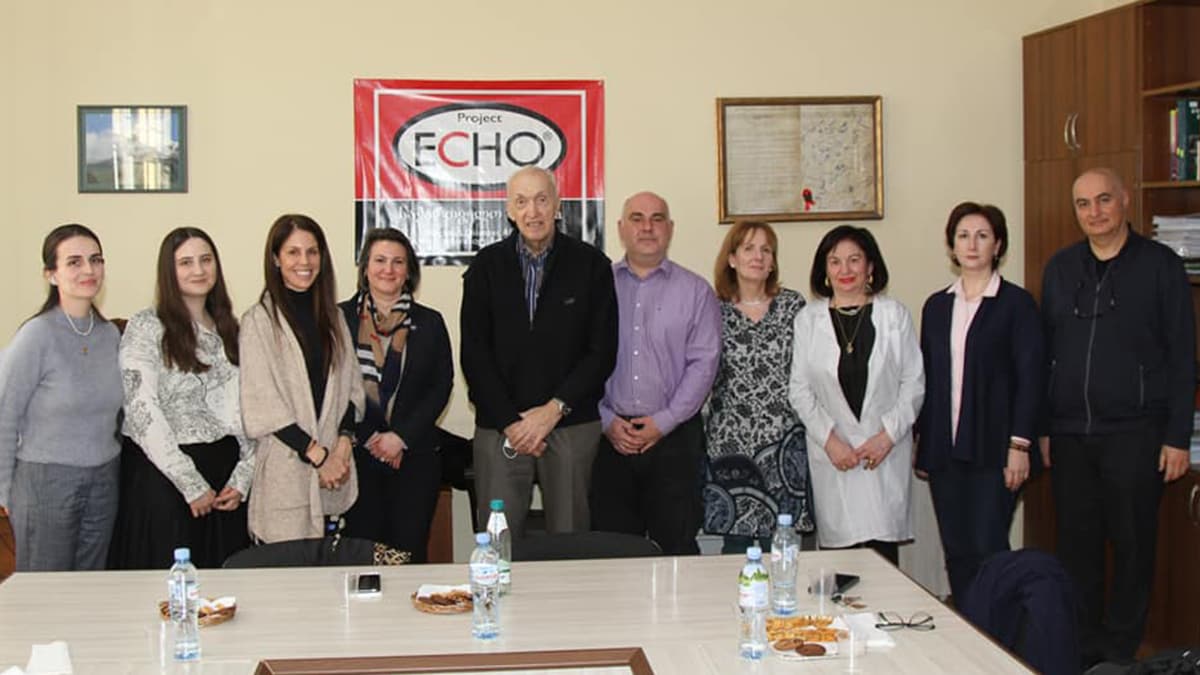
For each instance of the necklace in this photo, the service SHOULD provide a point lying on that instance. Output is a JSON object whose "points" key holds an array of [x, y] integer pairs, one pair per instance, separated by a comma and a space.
{"points": [[81, 333], [849, 346]]}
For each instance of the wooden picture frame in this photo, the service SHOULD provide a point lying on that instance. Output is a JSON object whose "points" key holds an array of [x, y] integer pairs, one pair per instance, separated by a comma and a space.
{"points": [[632, 658], [800, 158], [131, 148]]}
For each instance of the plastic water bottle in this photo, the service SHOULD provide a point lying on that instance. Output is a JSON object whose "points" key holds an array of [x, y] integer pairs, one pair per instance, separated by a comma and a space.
{"points": [[785, 551], [183, 598], [485, 588], [497, 527], [752, 606]]}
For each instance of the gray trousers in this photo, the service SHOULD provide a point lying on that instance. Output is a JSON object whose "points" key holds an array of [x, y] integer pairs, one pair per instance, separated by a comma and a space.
{"points": [[564, 473], [62, 516]]}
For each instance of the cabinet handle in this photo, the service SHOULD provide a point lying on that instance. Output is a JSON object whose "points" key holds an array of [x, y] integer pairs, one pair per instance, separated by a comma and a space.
{"points": [[1191, 506], [1067, 131], [1075, 132]]}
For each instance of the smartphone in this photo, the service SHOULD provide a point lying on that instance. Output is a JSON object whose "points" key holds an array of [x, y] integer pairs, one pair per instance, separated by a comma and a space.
{"points": [[366, 584], [843, 583]]}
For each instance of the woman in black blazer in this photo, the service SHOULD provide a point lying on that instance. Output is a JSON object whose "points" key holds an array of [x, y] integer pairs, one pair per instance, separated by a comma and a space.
{"points": [[404, 355], [981, 340]]}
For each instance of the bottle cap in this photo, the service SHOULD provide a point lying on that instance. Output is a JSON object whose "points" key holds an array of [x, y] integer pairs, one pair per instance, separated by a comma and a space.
{"points": [[183, 554], [483, 538], [754, 553], [785, 519], [497, 504]]}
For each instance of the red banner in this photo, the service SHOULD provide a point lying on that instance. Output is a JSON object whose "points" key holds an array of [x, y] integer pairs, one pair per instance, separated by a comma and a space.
{"points": [[432, 157]]}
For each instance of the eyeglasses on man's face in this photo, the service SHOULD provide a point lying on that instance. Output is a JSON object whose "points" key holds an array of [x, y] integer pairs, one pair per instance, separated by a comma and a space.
{"points": [[896, 621]]}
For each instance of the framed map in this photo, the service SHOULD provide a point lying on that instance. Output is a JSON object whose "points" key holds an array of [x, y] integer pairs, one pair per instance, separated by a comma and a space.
{"points": [[795, 159]]}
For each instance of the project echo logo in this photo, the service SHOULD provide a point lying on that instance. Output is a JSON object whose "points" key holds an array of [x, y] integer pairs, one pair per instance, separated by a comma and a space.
{"points": [[477, 145]]}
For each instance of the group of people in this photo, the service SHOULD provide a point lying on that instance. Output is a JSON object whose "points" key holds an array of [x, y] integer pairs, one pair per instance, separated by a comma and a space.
{"points": [[195, 429], [639, 398]]}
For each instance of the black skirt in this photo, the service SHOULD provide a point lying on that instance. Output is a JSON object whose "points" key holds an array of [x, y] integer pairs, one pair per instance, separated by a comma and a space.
{"points": [[153, 519]]}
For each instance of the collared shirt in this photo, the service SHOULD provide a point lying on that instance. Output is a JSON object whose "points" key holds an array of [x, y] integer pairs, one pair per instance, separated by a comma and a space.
{"points": [[533, 268], [960, 324], [669, 345]]}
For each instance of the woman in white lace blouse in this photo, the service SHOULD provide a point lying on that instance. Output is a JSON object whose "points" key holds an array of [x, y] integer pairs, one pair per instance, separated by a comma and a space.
{"points": [[187, 465]]}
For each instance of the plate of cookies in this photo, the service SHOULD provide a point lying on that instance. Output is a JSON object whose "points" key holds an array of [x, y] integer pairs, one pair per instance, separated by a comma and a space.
{"points": [[212, 611], [804, 637], [442, 599]]}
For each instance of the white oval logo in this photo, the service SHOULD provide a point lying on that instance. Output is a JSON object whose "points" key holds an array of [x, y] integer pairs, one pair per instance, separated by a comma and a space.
{"points": [[477, 145]]}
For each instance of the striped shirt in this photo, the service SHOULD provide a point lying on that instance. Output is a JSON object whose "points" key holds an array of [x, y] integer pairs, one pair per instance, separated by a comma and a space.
{"points": [[533, 269]]}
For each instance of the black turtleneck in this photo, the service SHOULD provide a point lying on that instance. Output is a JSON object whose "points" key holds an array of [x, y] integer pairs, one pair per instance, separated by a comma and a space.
{"points": [[301, 304]]}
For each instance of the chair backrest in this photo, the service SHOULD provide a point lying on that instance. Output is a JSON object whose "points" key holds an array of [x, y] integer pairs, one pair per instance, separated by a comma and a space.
{"points": [[1026, 601], [317, 553], [8, 546], [581, 545]]}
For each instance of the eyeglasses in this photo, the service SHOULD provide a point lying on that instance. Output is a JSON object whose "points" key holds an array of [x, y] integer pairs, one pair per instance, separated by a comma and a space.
{"points": [[1090, 302], [894, 621]]}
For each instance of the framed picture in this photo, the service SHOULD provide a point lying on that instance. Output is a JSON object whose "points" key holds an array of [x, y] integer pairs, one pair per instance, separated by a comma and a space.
{"points": [[611, 661], [793, 159], [137, 148]]}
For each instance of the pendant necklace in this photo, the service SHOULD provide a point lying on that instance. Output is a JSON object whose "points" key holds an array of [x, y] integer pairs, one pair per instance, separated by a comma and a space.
{"points": [[81, 333], [855, 312]]}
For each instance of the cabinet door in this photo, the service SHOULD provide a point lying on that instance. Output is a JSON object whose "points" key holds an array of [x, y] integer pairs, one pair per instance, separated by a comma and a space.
{"points": [[1183, 550], [1049, 216], [1051, 91], [1111, 95]]}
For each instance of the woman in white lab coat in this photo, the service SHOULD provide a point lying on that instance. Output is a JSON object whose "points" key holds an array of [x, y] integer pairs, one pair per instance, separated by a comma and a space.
{"points": [[857, 383]]}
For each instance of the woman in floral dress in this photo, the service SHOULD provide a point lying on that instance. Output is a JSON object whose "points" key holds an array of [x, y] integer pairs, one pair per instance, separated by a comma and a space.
{"points": [[758, 463]]}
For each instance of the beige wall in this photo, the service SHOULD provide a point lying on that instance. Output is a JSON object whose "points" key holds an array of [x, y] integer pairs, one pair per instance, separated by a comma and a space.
{"points": [[268, 86]]}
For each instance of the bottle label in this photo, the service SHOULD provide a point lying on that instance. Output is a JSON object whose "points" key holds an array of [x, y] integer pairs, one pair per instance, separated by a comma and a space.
{"points": [[753, 591], [505, 572], [485, 574]]}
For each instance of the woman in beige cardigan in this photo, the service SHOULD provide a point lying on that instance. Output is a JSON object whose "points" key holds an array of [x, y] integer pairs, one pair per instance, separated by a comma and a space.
{"points": [[301, 389]]}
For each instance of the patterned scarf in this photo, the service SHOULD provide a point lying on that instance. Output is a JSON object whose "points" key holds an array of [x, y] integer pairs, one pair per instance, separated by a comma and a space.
{"points": [[376, 332]]}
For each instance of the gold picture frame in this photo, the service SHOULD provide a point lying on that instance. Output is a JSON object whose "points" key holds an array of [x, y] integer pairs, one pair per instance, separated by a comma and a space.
{"points": [[800, 158]]}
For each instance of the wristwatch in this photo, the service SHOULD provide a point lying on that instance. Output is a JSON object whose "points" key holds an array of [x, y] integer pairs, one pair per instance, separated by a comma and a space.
{"points": [[563, 408]]}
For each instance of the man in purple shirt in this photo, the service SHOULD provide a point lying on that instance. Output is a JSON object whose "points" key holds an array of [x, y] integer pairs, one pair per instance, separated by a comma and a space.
{"points": [[648, 470]]}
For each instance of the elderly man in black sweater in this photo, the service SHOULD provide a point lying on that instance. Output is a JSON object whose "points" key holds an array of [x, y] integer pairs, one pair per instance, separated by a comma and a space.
{"points": [[539, 339]]}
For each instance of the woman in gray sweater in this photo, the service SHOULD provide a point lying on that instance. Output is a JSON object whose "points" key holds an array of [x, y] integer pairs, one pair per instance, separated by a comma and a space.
{"points": [[60, 393]]}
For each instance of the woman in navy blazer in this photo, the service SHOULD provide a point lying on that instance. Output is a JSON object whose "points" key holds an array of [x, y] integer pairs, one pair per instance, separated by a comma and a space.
{"points": [[981, 340], [404, 356]]}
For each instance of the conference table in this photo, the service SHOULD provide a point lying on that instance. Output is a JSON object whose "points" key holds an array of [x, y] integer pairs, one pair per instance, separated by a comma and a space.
{"points": [[680, 612]]}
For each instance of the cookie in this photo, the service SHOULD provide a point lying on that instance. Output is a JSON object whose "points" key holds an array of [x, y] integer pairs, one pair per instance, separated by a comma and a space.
{"points": [[810, 649]]}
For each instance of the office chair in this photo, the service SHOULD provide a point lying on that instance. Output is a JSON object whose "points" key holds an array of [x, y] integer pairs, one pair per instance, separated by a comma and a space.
{"points": [[323, 552], [583, 545], [1025, 600]]}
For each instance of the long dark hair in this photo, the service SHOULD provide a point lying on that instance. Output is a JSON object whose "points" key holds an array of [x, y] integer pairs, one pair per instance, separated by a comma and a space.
{"points": [[179, 337], [50, 260], [325, 307]]}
